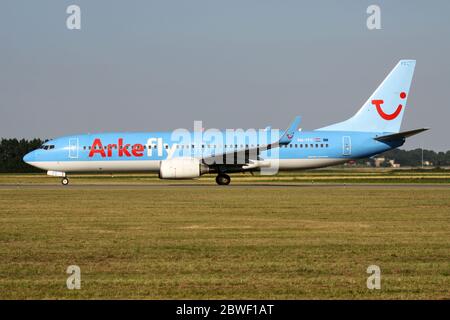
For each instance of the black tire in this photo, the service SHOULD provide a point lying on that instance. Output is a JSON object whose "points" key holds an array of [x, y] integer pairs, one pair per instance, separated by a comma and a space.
{"points": [[223, 179], [65, 181]]}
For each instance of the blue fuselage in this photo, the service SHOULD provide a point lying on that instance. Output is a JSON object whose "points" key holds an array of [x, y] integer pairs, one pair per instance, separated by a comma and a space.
{"points": [[315, 148]]}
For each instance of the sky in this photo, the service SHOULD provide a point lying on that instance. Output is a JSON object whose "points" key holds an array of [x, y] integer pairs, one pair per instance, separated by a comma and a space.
{"points": [[161, 65]]}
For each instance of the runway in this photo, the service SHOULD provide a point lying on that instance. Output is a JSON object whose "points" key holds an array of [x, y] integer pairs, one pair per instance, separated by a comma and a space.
{"points": [[232, 186]]}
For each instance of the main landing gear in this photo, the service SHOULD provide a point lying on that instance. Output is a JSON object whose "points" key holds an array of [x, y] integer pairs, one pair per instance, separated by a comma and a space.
{"points": [[65, 181], [223, 179]]}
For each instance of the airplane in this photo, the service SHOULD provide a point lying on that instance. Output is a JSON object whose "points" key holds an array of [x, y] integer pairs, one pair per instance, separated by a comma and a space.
{"points": [[374, 129]]}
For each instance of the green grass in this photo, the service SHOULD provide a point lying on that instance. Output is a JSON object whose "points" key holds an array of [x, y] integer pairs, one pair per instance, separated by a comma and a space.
{"points": [[218, 242]]}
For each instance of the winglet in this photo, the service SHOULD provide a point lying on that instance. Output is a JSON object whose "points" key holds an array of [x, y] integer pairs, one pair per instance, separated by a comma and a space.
{"points": [[287, 136]]}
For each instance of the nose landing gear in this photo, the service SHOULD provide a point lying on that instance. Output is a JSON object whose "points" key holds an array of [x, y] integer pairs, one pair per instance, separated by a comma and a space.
{"points": [[65, 181], [223, 179]]}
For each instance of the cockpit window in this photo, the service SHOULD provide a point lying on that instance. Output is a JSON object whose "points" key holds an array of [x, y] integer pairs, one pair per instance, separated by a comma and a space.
{"points": [[48, 147]]}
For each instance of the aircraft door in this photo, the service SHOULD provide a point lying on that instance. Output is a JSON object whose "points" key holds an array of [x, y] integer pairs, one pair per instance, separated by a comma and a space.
{"points": [[73, 148], [346, 146]]}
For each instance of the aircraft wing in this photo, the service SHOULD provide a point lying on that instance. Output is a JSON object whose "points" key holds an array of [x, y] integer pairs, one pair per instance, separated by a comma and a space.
{"points": [[248, 158], [400, 135]]}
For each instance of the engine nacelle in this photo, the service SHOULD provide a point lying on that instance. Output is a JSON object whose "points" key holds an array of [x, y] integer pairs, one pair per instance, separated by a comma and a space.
{"points": [[182, 168]]}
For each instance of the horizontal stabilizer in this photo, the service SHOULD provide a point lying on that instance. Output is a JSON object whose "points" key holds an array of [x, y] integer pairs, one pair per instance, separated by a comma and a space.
{"points": [[400, 135]]}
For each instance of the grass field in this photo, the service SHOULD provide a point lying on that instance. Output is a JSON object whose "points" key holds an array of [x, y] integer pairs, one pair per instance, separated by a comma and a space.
{"points": [[266, 242]]}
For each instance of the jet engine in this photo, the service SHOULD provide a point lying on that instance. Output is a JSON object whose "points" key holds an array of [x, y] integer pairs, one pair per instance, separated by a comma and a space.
{"points": [[182, 168]]}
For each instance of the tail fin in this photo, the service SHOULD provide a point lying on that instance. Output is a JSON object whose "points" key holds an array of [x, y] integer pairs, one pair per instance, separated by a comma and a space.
{"points": [[383, 111]]}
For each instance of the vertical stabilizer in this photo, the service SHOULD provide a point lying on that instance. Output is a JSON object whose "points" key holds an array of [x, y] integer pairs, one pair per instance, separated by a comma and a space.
{"points": [[383, 111]]}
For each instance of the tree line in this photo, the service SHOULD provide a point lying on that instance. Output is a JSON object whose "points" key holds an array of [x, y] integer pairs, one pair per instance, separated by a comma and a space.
{"points": [[13, 150], [413, 158]]}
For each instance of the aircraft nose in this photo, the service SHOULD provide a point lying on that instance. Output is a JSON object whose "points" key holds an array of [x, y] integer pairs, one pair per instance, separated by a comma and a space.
{"points": [[29, 157]]}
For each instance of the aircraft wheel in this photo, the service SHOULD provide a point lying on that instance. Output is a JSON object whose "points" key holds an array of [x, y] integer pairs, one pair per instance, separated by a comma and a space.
{"points": [[65, 181], [223, 179]]}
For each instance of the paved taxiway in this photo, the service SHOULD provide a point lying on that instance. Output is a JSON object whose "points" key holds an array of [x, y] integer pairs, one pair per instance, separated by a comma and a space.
{"points": [[240, 185]]}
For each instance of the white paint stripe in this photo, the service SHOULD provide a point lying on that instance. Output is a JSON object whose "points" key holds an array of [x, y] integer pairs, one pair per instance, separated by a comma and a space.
{"points": [[153, 165]]}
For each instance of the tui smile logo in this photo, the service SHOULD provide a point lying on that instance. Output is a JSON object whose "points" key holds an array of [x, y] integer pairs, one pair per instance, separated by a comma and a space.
{"points": [[387, 116]]}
